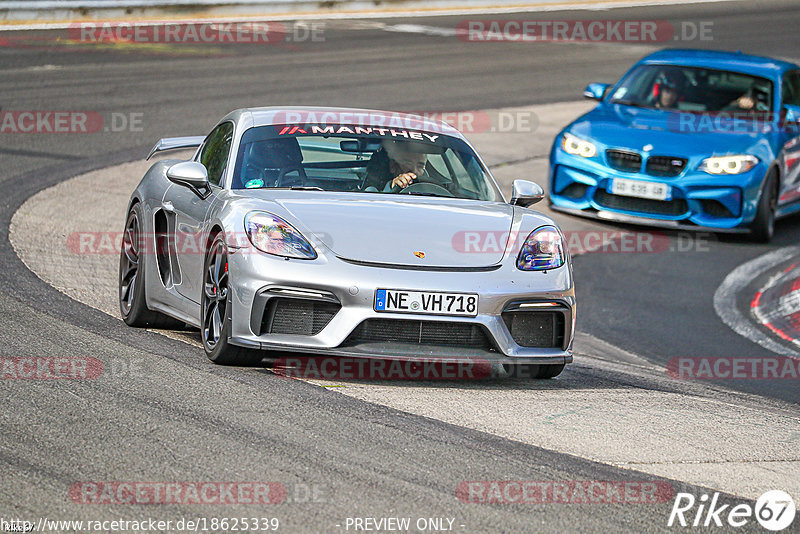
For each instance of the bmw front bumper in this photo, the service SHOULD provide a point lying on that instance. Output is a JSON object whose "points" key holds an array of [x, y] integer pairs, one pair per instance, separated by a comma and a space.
{"points": [[699, 201]]}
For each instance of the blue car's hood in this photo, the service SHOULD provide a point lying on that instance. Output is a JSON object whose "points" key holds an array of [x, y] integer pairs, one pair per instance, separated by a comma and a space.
{"points": [[618, 126]]}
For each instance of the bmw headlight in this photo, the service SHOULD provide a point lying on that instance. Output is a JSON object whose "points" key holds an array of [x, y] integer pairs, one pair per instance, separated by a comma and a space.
{"points": [[728, 164], [271, 234], [544, 249], [577, 146]]}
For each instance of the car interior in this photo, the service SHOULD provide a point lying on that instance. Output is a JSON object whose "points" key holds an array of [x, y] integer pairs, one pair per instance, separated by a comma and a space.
{"points": [[335, 163]]}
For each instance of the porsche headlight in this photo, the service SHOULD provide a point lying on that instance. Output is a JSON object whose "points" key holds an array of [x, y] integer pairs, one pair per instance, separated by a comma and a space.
{"points": [[728, 164], [544, 249], [577, 146], [271, 234]]}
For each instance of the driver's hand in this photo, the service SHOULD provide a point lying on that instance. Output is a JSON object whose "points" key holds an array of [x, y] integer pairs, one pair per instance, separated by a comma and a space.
{"points": [[404, 180], [745, 102]]}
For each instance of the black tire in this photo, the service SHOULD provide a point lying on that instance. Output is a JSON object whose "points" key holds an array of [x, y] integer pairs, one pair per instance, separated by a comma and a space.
{"points": [[215, 324], [763, 227], [535, 371], [132, 297]]}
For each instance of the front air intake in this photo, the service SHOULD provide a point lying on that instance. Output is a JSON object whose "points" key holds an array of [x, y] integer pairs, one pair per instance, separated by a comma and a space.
{"points": [[536, 329], [439, 333], [284, 315]]}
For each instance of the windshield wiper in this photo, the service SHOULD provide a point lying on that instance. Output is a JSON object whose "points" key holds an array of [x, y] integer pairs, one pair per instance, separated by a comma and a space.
{"points": [[302, 188]]}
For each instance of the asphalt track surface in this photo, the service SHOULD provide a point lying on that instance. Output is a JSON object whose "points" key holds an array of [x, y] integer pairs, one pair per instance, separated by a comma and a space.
{"points": [[187, 420]]}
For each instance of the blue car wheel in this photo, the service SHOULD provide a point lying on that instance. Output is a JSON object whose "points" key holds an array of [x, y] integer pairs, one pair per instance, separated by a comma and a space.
{"points": [[763, 226]]}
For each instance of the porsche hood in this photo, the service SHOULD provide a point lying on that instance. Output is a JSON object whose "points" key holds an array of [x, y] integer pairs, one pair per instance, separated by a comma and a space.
{"points": [[408, 231]]}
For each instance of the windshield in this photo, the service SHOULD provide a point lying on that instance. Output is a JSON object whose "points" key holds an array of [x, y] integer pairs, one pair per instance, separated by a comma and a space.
{"points": [[360, 159], [694, 89]]}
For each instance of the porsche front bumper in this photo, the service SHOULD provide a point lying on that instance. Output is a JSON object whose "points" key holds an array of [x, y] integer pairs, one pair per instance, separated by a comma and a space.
{"points": [[344, 322]]}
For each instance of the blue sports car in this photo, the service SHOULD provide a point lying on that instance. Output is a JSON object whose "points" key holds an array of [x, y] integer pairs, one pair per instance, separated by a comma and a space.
{"points": [[687, 139]]}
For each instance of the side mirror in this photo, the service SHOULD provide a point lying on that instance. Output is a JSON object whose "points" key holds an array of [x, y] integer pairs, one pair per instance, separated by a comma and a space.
{"points": [[596, 91], [791, 114], [525, 193], [190, 174]]}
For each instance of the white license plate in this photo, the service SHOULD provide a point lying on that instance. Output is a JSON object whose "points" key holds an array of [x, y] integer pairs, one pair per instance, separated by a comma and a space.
{"points": [[396, 300], [639, 189]]}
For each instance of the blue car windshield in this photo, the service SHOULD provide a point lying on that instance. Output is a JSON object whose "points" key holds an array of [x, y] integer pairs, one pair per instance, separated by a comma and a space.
{"points": [[361, 159], [695, 90]]}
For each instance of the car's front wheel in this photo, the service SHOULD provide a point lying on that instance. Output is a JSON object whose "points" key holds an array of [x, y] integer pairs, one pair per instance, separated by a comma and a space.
{"points": [[763, 226], [536, 371], [215, 324]]}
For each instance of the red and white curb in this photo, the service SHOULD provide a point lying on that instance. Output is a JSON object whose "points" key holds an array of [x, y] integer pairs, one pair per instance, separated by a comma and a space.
{"points": [[737, 281], [777, 304]]}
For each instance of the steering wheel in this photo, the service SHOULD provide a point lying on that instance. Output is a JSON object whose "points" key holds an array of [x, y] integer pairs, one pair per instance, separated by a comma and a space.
{"points": [[426, 187], [301, 172], [253, 171]]}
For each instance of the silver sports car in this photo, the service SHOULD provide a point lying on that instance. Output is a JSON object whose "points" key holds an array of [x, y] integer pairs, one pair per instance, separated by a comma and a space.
{"points": [[345, 232]]}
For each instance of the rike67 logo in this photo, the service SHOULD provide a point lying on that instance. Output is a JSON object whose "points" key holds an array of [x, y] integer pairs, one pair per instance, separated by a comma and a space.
{"points": [[774, 510]]}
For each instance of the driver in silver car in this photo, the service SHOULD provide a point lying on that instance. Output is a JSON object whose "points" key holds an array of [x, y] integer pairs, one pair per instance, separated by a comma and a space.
{"points": [[395, 165]]}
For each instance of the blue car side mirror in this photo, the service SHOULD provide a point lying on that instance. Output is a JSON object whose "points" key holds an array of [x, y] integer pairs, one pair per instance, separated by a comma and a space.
{"points": [[791, 114], [596, 91]]}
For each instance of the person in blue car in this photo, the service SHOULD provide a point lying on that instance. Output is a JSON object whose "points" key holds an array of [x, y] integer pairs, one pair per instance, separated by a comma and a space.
{"points": [[755, 99], [668, 88]]}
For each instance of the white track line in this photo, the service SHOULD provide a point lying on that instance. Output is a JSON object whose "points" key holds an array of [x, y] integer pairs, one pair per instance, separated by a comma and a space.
{"points": [[737, 280]]}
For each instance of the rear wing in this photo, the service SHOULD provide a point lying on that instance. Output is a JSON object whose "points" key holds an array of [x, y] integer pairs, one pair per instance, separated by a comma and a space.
{"points": [[174, 143]]}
